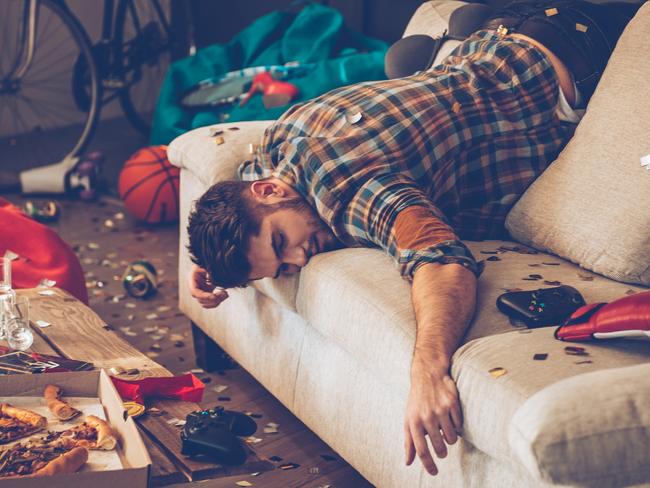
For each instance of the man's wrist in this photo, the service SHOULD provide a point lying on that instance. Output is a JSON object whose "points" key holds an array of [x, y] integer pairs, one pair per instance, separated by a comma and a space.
{"points": [[427, 361]]}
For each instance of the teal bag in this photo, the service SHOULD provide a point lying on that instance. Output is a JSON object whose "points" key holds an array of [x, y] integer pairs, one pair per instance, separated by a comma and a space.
{"points": [[316, 36]]}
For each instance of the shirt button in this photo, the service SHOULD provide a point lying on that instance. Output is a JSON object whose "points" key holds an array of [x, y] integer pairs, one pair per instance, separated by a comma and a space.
{"points": [[354, 118]]}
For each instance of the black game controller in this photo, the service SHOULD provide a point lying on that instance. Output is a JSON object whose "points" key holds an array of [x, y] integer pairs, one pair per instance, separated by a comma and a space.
{"points": [[543, 307], [213, 433]]}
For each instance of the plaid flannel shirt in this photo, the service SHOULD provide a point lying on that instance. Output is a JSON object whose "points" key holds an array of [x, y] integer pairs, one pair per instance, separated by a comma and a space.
{"points": [[463, 140]]}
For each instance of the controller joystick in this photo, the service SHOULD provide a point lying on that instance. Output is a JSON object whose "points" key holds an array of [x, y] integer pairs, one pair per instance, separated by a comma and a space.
{"points": [[542, 307], [213, 433]]}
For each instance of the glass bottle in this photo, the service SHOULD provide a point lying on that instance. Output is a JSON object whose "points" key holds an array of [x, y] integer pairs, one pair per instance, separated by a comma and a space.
{"points": [[7, 295]]}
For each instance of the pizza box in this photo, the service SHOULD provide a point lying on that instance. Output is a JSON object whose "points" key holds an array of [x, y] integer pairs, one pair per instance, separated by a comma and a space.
{"points": [[133, 455]]}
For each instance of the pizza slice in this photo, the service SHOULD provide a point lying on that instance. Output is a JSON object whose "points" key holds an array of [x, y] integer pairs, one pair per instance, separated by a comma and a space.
{"points": [[61, 409], [32, 459], [94, 433], [16, 423]]}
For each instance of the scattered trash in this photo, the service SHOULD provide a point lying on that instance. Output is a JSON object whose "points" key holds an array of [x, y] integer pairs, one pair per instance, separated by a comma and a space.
{"points": [[140, 279], [43, 212]]}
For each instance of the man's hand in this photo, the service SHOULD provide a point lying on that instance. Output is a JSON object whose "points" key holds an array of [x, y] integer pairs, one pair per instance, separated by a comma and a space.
{"points": [[432, 409], [203, 290]]}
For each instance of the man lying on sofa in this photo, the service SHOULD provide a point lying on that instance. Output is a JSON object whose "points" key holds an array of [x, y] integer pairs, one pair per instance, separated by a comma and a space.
{"points": [[412, 165]]}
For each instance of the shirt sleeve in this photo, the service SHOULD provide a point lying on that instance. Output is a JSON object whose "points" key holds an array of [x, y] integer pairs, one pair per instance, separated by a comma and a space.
{"points": [[391, 212]]}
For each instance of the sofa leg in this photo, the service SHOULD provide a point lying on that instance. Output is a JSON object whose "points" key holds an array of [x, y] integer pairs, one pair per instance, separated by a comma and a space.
{"points": [[209, 356]]}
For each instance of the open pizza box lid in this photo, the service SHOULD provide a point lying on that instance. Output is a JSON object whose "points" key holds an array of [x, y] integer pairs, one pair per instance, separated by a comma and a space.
{"points": [[95, 384]]}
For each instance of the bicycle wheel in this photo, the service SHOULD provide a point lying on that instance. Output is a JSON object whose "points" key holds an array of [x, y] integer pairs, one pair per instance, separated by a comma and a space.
{"points": [[144, 46], [40, 122]]}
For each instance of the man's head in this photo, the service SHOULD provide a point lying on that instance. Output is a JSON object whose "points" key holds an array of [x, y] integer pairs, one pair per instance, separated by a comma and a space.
{"points": [[241, 231]]}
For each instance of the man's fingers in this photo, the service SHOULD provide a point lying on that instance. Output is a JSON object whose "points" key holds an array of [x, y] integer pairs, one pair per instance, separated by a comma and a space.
{"points": [[211, 300], [455, 412], [436, 439], [409, 447], [457, 417], [422, 448], [448, 430]]}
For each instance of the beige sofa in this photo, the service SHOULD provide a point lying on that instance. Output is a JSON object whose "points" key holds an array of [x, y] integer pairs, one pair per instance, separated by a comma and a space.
{"points": [[334, 343]]}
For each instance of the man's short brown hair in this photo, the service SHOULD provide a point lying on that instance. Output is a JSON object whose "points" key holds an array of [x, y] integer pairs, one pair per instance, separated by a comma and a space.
{"points": [[220, 226]]}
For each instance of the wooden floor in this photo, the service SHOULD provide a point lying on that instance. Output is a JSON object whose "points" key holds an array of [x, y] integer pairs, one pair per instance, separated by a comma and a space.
{"points": [[106, 240]]}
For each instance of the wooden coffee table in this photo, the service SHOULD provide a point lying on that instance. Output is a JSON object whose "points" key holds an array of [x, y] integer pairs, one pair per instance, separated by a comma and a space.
{"points": [[79, 333]]}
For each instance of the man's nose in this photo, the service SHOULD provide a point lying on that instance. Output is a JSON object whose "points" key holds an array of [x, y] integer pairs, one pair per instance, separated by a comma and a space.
{"points": [[296, 256]]}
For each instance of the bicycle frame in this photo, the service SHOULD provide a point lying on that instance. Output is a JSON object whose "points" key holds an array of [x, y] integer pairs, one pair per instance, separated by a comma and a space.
{"points": [[27, 39]]}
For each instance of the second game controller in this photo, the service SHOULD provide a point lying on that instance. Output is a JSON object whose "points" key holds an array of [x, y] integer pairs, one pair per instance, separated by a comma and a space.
{"points": [[542, 307]]}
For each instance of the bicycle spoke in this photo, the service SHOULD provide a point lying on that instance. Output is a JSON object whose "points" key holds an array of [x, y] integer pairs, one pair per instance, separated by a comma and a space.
{"points": [[18, 119], [51, 106], [43, 32], [3, 107], [11, 46], [50, 114], [30, 81], [40, 114], [52, 63]]}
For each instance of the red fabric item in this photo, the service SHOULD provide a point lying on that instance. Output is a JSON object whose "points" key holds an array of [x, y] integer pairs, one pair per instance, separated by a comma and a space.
{"points": [[42, 253], [186, 387], [628, 315]]}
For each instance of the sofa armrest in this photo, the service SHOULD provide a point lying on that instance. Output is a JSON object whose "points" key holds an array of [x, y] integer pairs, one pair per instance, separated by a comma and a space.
{"points": [[198, 151], [432, 18]]}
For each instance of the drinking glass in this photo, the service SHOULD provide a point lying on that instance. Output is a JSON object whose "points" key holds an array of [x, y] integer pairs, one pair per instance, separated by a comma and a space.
{"points": [[19, 333], [7, 294]]}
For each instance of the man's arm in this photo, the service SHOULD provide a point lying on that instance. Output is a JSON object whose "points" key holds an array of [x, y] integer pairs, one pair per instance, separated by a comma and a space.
{"points": [[444, 300]]}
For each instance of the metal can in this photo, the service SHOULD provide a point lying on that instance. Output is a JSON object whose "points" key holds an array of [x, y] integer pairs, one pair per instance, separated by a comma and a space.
{"points": [[43, 212], [140, 280]]}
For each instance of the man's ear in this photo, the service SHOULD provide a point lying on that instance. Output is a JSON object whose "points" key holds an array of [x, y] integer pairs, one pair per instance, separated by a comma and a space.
{"points": [[267, 191]]}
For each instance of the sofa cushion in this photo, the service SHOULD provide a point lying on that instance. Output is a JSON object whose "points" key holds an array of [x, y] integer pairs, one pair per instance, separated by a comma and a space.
{"points": [[198, 151], [591, 204]]}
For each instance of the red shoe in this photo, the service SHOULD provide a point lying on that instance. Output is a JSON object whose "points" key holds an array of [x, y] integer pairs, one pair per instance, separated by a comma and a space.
{"points": [[275, 93]]}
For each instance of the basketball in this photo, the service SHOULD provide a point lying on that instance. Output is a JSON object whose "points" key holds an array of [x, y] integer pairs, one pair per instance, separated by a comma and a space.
{"points": [[148, 186]]}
